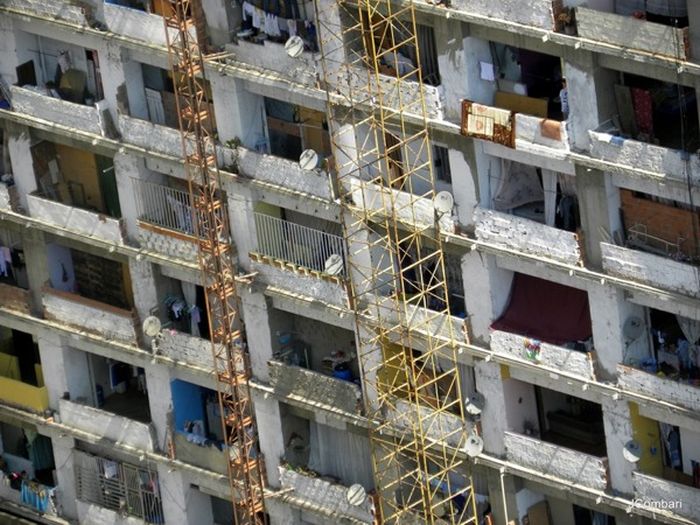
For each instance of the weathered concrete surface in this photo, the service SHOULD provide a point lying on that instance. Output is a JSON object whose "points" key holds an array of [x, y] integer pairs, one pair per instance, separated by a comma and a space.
{"points": [[79, 221], [536, 13], [654, 270], [185, 348], [436, 425], [560, 462], [152, 137], [91, 316], [287, 380], [15, 298], [92, 513], [663, 162], [641, 382], [136, 24], [653, 489], [528, 130], [69, 114], [324, 494], [550, 356], [179, 248], [272, 56], [631, 33], [60, 9], [527, 236], [8, 198], [120, 430], [208, 457]]}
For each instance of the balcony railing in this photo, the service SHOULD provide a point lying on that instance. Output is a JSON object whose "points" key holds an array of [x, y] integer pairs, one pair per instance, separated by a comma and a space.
{"points": [[297, 244], [118, 486], [163, 206]]}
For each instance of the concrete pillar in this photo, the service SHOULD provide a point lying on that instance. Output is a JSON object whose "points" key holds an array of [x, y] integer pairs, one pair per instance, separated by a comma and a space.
{"points": [[271, 437], [63, 446], [257, 310], [182, 503], [159, 400], [221, 20], [22, 163], [128, 167], [144, 287], [453, 62], [465, 186], [489, 382], [487, 289], [76, 369], [52, 365], [243, 231], [599, 210], [239, 113], [609, 312], [36, 258], [121, 76], [589, 86], [618, 431], [502, 491]]}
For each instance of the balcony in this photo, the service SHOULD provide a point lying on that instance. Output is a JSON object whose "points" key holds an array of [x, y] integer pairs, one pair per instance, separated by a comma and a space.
{"points": [[527, 236], [534, 133], [105, 425], [28, 397], [15, 298], [632, 33], [650, 269], [136, 24], [34, 103], [31, 494], [80, 221], [544, 354], [62, 10], [315, 387], [206, 457], [557, 461], [685, 500], [658, 387], [153, 137], [327, 497], [665, 163], [185, 348], [272, 56], [9, 200], [92, 316]]}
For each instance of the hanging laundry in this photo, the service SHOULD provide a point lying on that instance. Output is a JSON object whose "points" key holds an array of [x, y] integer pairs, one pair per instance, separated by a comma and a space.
{"points": [[248, 11], [5, 260], [258, 17], [291, 27], [64, 61], [272, 27]]}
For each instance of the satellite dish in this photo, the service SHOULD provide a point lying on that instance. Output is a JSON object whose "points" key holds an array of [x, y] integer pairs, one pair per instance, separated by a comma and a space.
{"points": [[474, 445], [443, 202], [356, 495], [633, 328], [334, 265], [632, 452], [308, 160], [474, 404], [151, 326], [294, 46]]}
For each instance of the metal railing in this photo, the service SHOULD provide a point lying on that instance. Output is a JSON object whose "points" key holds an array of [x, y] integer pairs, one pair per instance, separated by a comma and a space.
{"points": [[165, 207], [295, 243], [118, 486]]}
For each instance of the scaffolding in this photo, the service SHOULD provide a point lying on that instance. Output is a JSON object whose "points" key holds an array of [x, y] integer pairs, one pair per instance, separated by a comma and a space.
{"points": [[185, 38], [378, 120]]}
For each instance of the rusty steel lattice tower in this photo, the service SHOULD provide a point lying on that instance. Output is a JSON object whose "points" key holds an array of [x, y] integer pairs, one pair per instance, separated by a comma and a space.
{"points": [[185, 38]]}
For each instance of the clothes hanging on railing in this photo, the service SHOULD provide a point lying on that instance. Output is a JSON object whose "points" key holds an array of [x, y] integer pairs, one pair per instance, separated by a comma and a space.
{"points": [[38, 496]]}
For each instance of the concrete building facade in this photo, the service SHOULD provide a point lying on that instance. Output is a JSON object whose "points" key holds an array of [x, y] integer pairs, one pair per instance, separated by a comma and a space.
{"points": [[572, 256]]}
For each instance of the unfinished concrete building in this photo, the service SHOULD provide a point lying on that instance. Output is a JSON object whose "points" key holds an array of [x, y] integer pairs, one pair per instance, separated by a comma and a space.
{"points": [[569, 233]]}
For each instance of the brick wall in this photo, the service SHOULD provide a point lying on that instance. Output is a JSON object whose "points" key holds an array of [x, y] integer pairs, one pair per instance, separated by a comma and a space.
{"points": [[663, 221]]}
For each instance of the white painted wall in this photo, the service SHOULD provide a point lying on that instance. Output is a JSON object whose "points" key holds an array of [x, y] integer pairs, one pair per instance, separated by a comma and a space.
{"points": [[521, 405], [690, 445], [525, 499]]}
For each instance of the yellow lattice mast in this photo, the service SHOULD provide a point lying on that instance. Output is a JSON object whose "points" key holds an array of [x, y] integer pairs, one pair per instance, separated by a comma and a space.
{"points": [[216, 259], [398, 289]]}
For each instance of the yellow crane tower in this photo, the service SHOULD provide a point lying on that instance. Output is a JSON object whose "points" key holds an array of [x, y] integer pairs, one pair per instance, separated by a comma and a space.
{"points": [[185, 37], [383, 169]]}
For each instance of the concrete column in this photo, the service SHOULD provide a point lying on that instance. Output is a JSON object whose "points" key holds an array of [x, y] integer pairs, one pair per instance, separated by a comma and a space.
{"points": [[502, 491], [618, 431], [239, 112], [159, 400], [465, 187], [259, 334], [599, 209], [35, 255], [63, 446], [51, 355], [182, 503], [221, 20], [144, 287], [589, 86], [489, 382], [271, 437], [128, 167], [22, 163], [487, 289], [121, 76], [241, 208], [694, 19], [609, 311]]}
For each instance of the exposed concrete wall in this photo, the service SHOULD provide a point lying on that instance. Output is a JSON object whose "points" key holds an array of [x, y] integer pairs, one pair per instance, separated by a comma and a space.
{"points": [[62, 10], [528, 131], [135, 24], [258, 316], [183, 504], [91, 513], [489, 382], [618, 431], [186, 348], [652, 489], [272, 56], [55, 110], [240, 113], [143, 284], [686, 396], [270, 433], [452, 63], [62, 452], [536, 13], [126, 167], [168, 245], [22, 163], [464, 187], [159, 401], [51, 357], [155, 138], [595, 194]]}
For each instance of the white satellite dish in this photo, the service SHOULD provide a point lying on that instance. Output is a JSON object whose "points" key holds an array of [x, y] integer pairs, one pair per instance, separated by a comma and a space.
{"points": [[151, 326], [308, 160], [334, 265], [632, 452], [633, 328], [356, 495], [294, 46], [474, 404], [474, 445], [443, 202]]}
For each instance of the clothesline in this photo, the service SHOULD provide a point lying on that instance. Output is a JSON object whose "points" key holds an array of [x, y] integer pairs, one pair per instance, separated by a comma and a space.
{"points": [[274, 23]]}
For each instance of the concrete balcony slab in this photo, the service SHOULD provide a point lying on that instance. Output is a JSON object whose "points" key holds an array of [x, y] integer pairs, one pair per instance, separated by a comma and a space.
{"points": [[91, 316], [656, 387], [315, 387], [525, 235], [535, 13], [559, 462], [207, 457], [667, 496], [438, 426], [108, 426], [15, 298], [152, 137], [185, 348], [272, 56], [328, 497], [60, 9], [549, 356], [76, 220], [61, 112], [650, 269], [535, 131], [136, 24], [174, 244]]}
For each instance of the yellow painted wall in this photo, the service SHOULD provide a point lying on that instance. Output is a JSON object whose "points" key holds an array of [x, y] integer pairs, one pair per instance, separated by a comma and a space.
{"points": [[9, 366], [646, 433], [21, 394], [80, 167], [39, 374]]}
